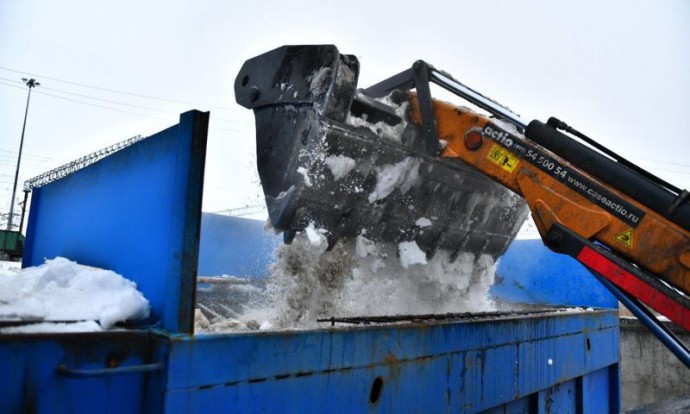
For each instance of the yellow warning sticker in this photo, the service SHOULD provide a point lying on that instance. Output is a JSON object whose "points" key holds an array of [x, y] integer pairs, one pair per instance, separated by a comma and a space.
{"points": [[626, 238], [503, 158]]}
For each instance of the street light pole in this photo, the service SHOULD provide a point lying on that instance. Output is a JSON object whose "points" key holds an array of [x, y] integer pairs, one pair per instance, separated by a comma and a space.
{"points": [[31, 83]]}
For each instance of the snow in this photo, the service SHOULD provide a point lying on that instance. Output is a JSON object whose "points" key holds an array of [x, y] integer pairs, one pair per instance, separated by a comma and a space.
{"points": [[423, 222], [411, 254], [507, 126], [309, 283], [62, 290], [315, 235], [200, 320], [339, 165], [361, 278], [389, 177], [303, 172], [286, 193], [364, 247], [58, 327], [382, 129]]}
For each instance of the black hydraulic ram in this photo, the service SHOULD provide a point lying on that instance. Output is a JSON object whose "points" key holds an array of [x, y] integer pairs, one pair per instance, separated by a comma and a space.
{"points": [[647, 190]]}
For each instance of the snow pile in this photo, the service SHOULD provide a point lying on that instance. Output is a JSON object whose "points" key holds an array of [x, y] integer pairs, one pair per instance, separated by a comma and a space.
{"points": [[360, 278], [62, 290]]}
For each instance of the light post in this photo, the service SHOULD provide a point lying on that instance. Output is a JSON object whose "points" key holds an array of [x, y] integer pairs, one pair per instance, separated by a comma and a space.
{"points": [[31, 83]]}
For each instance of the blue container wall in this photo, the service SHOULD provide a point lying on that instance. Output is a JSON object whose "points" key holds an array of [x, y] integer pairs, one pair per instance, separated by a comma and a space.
{"points": [[136, 212], [531, 273], [554, 363], [235, 246], [565, 362]]}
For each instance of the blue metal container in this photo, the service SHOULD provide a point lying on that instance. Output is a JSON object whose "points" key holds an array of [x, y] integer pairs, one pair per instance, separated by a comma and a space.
{"points": [[547, 362], [561, 362]]}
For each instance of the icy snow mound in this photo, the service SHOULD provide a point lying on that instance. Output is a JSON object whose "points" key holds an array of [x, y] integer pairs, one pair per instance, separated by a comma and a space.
{"points": [[62, 290]]}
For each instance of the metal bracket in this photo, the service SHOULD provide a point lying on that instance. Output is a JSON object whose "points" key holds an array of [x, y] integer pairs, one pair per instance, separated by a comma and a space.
{"points": [[419, 77]]}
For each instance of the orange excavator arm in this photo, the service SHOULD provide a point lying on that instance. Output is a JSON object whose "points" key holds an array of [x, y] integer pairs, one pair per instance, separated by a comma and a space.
{"points": [[558, 192], [565, 198]]}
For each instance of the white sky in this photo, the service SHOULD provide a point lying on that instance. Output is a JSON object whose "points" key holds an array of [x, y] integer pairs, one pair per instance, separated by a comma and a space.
{"points": [[616, 70]]}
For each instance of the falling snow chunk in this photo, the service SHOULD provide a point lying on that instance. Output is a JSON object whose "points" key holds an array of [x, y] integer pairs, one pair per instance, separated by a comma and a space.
{"points": [[423, 222], [411, 254], [364, 246], [314, 235], [303, 171], [339, 165], [62, 290]]}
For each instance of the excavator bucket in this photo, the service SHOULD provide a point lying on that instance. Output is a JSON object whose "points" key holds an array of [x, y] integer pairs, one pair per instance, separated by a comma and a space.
{"points": [[335, 157]]}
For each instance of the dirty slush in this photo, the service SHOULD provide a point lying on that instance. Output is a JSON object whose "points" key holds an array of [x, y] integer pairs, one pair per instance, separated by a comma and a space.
{"points": [[358, 278]]}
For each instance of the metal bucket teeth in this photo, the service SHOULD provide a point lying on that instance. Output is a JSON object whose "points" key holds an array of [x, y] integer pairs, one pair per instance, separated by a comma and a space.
{"points": [[347, 177]]}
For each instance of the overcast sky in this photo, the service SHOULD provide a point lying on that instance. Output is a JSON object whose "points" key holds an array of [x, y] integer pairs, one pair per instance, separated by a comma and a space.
{"points": [[616, 70]]}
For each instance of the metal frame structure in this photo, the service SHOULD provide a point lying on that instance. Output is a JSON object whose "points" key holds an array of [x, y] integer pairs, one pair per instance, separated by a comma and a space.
{"points": [[76, 165]]}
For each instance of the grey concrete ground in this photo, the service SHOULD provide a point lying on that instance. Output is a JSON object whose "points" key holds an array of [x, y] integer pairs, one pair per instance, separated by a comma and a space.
{"points": [[650, 372]]}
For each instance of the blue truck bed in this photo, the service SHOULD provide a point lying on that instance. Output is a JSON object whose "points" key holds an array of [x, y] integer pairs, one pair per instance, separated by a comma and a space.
{"points": [[561, 362]]}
